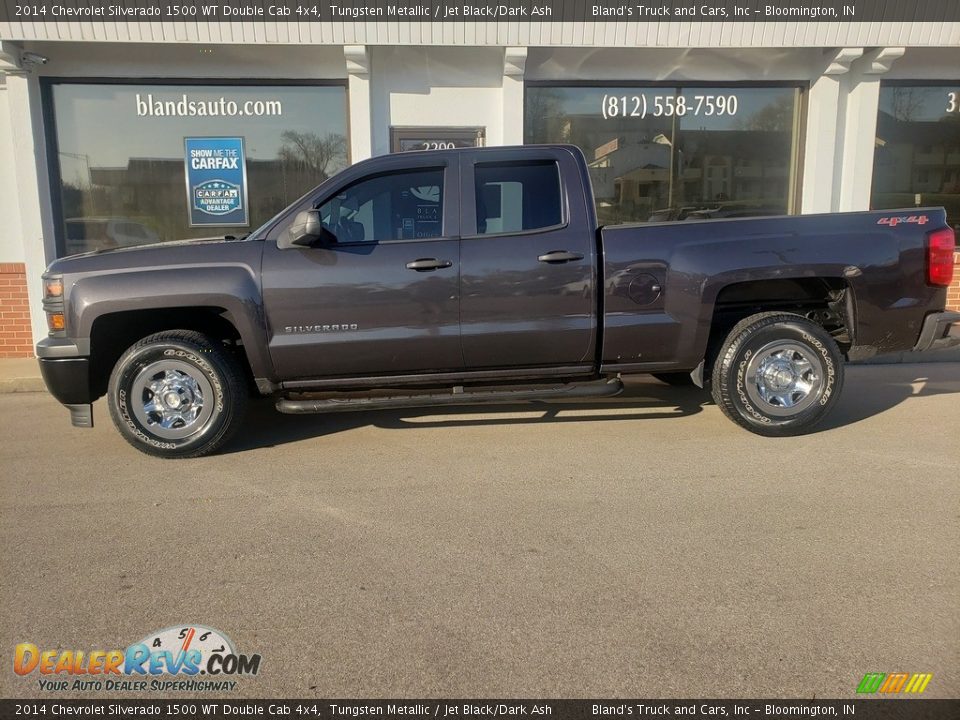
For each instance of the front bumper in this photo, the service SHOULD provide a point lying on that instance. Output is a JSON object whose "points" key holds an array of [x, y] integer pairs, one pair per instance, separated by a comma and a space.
{"points": [[940, 330], [66, 374]]}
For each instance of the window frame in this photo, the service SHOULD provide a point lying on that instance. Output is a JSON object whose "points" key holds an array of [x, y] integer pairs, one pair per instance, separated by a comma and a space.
{"points": [[383, 165], [560, 157], [521, 163], [387, 173], [47, 84], [799, 140]]}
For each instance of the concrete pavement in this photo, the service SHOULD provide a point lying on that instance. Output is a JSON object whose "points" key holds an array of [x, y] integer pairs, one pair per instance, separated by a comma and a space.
{"points": [[20, 375], [639, 546]]}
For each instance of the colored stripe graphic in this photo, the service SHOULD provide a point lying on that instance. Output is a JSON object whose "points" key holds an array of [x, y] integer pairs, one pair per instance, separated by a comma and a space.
{"points": [[871, 682], [893, 683], [918, 682]]}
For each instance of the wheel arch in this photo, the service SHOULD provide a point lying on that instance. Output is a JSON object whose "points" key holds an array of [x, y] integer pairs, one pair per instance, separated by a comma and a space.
{"points": [[826, 300], [112, 333]]}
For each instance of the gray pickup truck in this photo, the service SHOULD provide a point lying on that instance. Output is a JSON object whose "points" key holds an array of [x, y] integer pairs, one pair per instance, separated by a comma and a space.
{"points": [[481, 275]]}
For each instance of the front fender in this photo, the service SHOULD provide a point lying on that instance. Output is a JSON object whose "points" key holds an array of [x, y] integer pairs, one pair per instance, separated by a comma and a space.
{"points": [[234, 288]]}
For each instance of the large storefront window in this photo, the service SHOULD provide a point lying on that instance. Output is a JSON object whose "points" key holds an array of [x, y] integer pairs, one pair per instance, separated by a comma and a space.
{"points": [[123, 155], [671, 153], [916, 160]]}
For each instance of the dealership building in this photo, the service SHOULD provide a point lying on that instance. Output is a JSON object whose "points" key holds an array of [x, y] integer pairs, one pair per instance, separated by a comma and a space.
{"points": [[678, 120]]}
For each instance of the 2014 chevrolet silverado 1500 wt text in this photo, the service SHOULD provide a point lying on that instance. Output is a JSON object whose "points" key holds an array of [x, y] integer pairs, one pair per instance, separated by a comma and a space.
{"points": [[480, 275]]}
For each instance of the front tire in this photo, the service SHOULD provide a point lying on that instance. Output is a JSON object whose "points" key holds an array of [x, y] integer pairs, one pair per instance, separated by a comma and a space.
{"points": [[777, 374], [177, 394]]}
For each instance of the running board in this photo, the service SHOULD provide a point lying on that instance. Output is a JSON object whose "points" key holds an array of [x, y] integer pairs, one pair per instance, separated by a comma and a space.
{"points": [[598, 388]]}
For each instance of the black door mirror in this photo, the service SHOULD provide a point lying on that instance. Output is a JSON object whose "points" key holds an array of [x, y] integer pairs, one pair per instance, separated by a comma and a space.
{"points": [[308, 230]]}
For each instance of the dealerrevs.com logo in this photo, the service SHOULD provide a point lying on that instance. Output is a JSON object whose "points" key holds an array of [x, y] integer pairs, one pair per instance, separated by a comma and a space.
{"points": [[179, 658]]}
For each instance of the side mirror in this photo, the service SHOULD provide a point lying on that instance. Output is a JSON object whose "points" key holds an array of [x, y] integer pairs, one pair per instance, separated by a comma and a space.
{"points": [[308, 230]]}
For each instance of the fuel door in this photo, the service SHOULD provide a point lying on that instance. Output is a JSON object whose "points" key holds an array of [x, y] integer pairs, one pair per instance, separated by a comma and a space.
{"points": [[645, 289]]}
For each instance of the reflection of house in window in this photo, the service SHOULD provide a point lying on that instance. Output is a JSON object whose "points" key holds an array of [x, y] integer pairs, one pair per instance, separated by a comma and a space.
{"points": [[905, 165], [631, 173]]}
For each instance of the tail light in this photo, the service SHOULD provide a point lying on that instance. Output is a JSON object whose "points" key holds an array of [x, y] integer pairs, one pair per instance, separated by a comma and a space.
{"points": [[940, 247]]}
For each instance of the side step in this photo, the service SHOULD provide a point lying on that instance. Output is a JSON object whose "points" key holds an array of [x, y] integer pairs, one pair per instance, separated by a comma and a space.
{"points": [[597, 388]]}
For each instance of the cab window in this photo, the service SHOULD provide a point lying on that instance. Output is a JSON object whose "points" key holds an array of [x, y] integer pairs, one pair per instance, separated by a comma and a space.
{"points": [[517, 197], [404, 205]]}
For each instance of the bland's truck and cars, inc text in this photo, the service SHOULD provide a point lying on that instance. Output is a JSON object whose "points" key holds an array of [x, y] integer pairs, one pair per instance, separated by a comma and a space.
{"points": [[481, 275]]}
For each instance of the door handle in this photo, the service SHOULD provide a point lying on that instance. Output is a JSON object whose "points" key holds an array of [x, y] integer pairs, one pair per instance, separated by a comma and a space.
{"points": [[424, 264], [559, 256]]}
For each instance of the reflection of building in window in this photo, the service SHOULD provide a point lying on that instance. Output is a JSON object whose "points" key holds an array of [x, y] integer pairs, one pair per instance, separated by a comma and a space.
{"points": [[917, 151], [903, 166], [661, 168], [153, 189], [709, 167], [127, 185]]}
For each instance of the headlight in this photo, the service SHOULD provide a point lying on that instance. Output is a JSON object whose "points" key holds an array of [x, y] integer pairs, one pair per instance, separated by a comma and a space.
{"points": [[53, 304], [53, 288]]}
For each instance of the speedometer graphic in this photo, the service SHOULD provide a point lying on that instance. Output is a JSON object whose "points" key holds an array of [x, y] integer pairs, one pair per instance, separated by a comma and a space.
{"points": [[181, 639]]}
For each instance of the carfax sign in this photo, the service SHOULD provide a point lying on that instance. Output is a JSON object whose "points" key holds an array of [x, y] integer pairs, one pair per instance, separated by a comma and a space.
{"points": [[216, 173]]}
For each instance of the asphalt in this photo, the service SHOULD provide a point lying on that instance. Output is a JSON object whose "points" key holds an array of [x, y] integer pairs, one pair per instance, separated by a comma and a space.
{"points": [[641, 546]]}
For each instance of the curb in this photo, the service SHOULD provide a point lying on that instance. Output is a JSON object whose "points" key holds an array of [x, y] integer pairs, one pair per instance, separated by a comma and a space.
{"points": [[20, 375], [22, 384]]}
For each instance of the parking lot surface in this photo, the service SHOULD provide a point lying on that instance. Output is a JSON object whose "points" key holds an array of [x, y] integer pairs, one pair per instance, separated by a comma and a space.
{"points": [[639, 546]]}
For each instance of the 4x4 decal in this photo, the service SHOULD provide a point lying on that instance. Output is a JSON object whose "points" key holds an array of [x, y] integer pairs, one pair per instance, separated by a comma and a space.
{"points": [[895, 220]]}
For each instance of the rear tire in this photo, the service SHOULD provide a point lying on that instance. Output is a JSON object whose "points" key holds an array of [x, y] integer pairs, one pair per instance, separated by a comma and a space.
{"points": [[177, 394], [777, 374]]}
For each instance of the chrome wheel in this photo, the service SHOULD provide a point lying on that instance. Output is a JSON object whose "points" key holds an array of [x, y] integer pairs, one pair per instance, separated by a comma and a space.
{"points": [[172, 399], [784, 378]]}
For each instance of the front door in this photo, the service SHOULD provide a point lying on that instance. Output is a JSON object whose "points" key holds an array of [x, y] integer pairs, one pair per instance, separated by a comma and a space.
{"points": [[528, 285], [384, 298]]}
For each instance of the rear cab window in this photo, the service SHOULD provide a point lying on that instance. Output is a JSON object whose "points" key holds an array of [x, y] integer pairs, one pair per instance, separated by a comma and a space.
{"points": [[517, 197]]}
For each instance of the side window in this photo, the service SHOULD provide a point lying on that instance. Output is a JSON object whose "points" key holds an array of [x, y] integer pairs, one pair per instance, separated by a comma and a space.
{"points": [[395, 206], [513, 197]]}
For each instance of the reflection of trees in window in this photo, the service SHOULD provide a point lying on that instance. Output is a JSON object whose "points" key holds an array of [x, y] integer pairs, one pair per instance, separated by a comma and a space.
{"points": [[774, 117], [545, 115], [318, 156], [905, 102], [72, 200]]}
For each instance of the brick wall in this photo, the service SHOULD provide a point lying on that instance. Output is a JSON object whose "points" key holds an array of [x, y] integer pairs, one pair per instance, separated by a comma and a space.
{"points": [[953, 292], [16, 339]]}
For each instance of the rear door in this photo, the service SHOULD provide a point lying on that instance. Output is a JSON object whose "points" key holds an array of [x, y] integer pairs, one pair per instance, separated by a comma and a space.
{"points": [[528, 279]]}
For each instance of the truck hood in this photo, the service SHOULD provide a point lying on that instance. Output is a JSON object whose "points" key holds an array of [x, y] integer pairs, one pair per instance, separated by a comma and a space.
{"points": [[172, 252]]}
